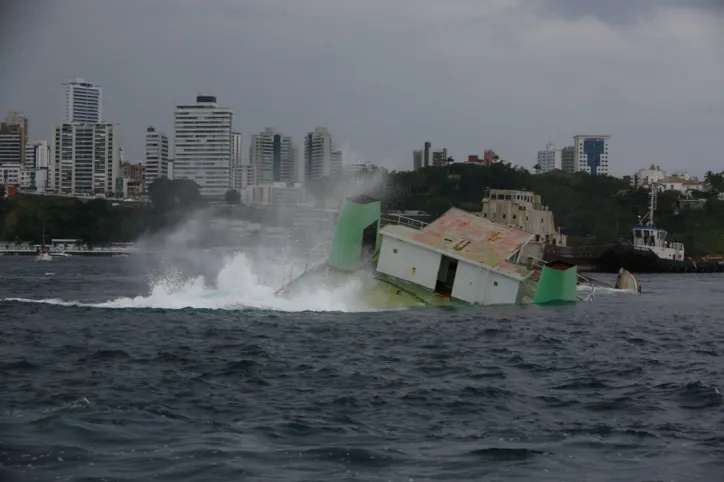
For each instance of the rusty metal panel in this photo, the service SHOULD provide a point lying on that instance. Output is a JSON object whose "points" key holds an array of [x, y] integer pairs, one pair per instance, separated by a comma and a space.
{"points": [[471, 237]]}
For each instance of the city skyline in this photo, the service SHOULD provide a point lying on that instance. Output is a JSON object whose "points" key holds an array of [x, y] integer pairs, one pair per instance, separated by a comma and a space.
{"points": [[378, 99]]}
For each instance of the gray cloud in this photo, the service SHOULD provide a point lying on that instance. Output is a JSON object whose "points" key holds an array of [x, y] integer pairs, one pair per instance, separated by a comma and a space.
{"points": [[386, 75], [623, 12]]}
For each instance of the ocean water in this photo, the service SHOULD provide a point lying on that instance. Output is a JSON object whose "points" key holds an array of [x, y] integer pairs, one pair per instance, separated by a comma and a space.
{"points": [[123, 369]]}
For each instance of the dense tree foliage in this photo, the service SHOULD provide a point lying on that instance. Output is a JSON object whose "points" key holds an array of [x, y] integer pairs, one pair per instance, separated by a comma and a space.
{"points": [[590, 209], [232, 196], [96, 221]]}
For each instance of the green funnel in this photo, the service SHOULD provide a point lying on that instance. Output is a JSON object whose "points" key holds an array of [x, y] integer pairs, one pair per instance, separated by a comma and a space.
{"points": [[557, 283], [357, 233]]}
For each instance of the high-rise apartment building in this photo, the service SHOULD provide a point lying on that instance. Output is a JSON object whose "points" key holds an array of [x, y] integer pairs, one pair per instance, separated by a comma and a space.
{"points": [[271, 153], [549, 159], [203, 145], [21, 120], [417, 159], [11, 144], [85, 158], [591, 153], [241, 174], [156, 163], [83, 102], [236, 145], [321, 157], [568, 159], [439, 158]]}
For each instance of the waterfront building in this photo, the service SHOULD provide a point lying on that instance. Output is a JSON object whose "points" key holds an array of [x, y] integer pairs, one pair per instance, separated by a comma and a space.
{"points": [[203, 145], [524, 210], [85, 159]]}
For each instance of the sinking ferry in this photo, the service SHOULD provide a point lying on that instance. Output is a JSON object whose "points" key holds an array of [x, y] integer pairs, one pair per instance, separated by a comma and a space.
{"points": [[459, 259]]}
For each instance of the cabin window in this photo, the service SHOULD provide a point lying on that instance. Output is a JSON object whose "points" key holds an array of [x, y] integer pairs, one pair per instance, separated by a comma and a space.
{"points": [[394, 250], [513, 216]]}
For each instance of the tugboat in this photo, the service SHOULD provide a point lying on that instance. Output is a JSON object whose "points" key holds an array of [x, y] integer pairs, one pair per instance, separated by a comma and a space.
{"points": [[648, 251]]}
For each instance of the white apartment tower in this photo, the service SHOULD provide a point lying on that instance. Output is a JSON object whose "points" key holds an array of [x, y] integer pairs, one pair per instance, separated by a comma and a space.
{"points": [[236, 149], [85, 159], [591, 153], [203, 145], [242, 173], [156, 156], [549, 159], [321, 158], [83, 102], [271, 153]]}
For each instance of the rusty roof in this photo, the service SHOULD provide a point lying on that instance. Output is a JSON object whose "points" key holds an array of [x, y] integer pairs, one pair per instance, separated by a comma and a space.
{"points": [[466, 236]]}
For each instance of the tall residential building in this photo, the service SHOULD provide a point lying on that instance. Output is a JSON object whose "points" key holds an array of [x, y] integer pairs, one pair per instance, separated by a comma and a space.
{"points": [[439, 158], [240, 174], [236, 149], [11, 144], [85, 158], [83, 102], [568, 159], [417, 159], [156, 156], [202, 145], [549, 159], [272, 155], [591, 153], [37, 164], [20, 119], [321, 157]]}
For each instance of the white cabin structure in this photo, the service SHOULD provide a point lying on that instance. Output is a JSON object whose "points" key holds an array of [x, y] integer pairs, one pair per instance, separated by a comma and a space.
{"points": [[460, 255]]}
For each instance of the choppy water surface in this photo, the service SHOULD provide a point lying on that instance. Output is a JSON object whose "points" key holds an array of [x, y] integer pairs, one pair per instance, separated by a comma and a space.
{"points": [[105, 378]]}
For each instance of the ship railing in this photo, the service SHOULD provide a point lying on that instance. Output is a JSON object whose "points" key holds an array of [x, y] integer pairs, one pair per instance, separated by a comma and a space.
{"points": [[592, 289], [398, 219]]}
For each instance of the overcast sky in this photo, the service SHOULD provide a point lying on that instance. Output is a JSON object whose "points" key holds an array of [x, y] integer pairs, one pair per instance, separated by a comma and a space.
{"points": [[386, 75]]}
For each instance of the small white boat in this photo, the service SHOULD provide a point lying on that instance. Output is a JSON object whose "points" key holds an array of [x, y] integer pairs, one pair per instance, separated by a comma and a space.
{"points": [[61, 255], [44, 256]]}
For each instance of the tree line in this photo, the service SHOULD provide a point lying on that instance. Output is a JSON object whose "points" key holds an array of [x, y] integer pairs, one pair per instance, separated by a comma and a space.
{"points": [[590, 209]]}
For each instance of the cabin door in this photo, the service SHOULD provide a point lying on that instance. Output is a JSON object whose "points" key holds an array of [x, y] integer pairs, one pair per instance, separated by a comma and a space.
{"points": [[369, 240], [446, 276]]}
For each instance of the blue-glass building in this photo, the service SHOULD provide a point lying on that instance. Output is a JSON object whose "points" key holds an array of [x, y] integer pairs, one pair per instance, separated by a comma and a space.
{"points": [[591, 153]]}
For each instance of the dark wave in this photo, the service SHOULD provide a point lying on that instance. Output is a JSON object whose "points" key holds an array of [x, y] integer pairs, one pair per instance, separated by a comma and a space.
{"points": [[614, 390]]}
